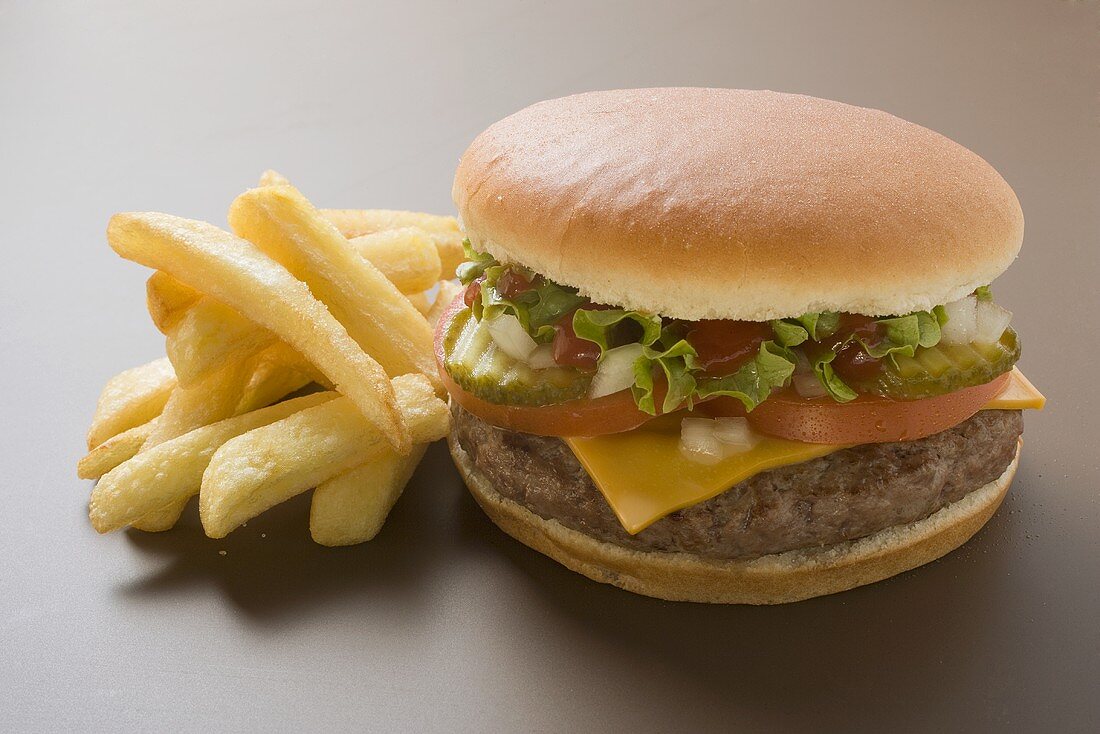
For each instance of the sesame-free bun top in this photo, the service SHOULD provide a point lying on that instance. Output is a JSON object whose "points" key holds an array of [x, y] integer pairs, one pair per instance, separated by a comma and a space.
{"points": [[735, 204]]}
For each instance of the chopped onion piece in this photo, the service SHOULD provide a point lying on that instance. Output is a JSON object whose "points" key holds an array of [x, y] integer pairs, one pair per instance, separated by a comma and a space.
{"points": [[542, 357], [735, 434], [698, 442], [962, 321], [808, 386], [709, 440], [510, 336], [992, 322], [616, 370], [801, 361]]}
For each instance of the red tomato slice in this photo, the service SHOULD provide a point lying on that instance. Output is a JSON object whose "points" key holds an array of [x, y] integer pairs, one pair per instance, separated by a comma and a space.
{"points": [[583, 417], [867, 419]]}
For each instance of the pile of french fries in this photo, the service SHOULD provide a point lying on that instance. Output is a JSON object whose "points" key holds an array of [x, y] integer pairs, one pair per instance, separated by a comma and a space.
{"points": [[299, 356]]}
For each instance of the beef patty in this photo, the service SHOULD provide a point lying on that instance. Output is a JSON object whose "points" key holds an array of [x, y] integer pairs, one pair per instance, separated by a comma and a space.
{"points": [[845, 495]]}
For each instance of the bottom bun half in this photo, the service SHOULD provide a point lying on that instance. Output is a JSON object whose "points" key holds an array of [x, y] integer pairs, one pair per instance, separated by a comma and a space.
{"points": [[773, 579]]}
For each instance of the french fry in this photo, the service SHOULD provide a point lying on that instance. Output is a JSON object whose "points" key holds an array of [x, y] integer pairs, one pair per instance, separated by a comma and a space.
{"points": [[238, 274], [168, 300], [131, 398], [269, 465], [352, 507], [273, 178], [451, 252], [206, 333], [420, 302], [214, 399], [208, 336], [171, 472], [356, 222], [275, 378], [448, 291], [406, 256], [112, 452], [282, 223], [234, 389], [271, 381], [443, 231], [158, 521]]}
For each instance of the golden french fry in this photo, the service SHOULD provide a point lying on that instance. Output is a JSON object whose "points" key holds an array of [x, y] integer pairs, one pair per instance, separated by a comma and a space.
{"points": [[237, 273], [203, 334], [443, 231], [161, 520], [407, 257], [356, 222], [208, 336], [282, 223], [169, 473], [352, 507], [272, 381], [448, 291], [131, 398], [273, 178], [275, 378], [212, 400], [112, 452], [450, 249], [168, 300], [269, 465], [208, 333], [420, 302]]}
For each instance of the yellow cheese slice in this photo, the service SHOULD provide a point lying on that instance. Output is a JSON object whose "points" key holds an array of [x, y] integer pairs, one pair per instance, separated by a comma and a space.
{"points": [[1019, 394], [644, 475]]}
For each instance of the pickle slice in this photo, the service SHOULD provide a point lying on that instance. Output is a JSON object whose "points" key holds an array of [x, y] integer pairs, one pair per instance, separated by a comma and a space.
{"points": [[942, 369], [479, 366]]}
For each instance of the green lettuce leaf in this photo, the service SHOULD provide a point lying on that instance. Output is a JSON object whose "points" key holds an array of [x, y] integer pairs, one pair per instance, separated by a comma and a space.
{"points": [[832, 383], [983, 293], [537, 309], [772, 366], [675, 363], [813, 326], [598, 326], [475, 265], [820, 325], [903, 334], [790, 335]]}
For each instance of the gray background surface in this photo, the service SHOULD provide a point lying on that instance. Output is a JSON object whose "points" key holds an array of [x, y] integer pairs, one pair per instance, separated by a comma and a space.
{"points": [[442, 623]]}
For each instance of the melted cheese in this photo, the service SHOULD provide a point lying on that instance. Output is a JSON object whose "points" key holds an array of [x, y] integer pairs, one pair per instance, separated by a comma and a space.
{"points": [[644, 475]]}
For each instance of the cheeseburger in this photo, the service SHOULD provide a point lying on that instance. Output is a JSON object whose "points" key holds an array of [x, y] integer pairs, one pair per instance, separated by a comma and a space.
{"points": [[732, 346]]}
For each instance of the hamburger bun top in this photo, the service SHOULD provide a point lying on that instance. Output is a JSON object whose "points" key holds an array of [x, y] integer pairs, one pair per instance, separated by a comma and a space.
{"points": [[736, 204]]}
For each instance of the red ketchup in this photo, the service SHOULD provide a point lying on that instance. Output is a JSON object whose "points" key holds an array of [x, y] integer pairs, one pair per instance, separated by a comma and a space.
{"points": [[723, 346], [511, 283], [569, 349], [852, 362], [472, 291]]}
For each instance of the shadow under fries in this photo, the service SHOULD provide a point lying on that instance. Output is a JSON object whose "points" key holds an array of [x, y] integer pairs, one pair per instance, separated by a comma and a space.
{"points": [[849, 658], [272, 570]]}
